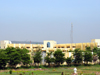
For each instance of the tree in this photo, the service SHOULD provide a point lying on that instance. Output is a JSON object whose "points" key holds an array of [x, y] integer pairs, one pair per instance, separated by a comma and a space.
{"points": [[3, 59], [98, 53], [87, 56], [14, 56], [95, 49], [49, 59], [17, 55], [37, 56], [25, 57], [88, 49], [68, 61], [59, 57], [95, 57], [78, 56]]}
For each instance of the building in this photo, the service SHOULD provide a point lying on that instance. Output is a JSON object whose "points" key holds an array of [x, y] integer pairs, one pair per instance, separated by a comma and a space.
{"points": [[49, 46]]}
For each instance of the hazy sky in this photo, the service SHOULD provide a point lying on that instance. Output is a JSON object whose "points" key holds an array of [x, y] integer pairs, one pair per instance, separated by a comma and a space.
{"points": [[38, 20]]}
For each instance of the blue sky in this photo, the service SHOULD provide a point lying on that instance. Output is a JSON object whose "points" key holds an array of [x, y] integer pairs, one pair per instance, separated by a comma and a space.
{"points": [[38, 20]]}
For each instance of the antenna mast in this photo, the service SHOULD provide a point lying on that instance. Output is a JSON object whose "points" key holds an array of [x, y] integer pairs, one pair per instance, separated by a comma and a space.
{"points": [[71, 33]]}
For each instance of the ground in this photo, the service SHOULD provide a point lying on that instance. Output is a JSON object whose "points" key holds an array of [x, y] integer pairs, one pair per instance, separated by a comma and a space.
{"points": [[85, 70]]}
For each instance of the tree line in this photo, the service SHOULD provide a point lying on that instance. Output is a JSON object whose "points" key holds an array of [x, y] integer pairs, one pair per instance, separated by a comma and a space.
{"points": [[79, 57], [12, 56]]}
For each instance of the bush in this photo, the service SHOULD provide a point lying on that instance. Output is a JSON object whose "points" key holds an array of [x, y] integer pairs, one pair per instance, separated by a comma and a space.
{"points": [[87, 64], [41, 66], [10, 71]]}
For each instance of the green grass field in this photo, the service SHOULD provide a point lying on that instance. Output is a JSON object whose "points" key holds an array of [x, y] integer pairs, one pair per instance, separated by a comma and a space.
{"points": [[85, 70]]}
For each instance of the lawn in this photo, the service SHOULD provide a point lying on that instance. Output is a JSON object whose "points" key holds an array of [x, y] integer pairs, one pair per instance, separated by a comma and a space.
{"points": [[85, 70]]}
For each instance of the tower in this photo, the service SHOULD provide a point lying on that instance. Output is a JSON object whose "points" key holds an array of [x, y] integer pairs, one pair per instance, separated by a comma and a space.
{"points": [[71, 33]]}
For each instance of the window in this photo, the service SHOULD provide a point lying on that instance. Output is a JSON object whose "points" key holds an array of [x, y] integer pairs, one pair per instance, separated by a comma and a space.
{"points": [[17, 47], [48, 44], [27, 47], [59, 47], [68, 46], [62, 47], [73, 46], [35, 47]]}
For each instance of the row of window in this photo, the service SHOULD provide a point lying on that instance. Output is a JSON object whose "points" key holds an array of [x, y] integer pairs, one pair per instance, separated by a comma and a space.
{"points": [[66, 47], [72, 47], [54, 47]]}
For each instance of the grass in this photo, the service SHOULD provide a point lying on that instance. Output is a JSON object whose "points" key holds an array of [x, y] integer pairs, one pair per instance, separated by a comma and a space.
{"points": [[85, 70]]}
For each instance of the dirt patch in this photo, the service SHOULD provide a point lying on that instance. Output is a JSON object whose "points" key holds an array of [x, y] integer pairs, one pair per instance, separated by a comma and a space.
{"points": [[39, 69]]}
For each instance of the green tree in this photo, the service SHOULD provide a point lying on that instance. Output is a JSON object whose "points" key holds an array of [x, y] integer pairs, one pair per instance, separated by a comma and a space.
{"points": [[95, 50], [17, 55], [78, 56], [87, 56], [49, 59], [37, 56], [95, 57], [14, 56], [88, 49], [25, 56], [98, 53], [59, 57], [3, 59], [69, 61]]}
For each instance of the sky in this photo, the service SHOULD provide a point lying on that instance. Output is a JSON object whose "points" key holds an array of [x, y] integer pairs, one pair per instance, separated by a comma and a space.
{"points": [[39, 20]]}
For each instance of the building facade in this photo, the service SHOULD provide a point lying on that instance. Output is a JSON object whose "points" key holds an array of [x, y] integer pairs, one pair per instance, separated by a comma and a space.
{"points": [[50, 46]]}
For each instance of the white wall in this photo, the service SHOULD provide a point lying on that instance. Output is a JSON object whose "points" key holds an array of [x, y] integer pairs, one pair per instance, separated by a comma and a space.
{"points": [[97, 41], [52, 43], [4, 43]]}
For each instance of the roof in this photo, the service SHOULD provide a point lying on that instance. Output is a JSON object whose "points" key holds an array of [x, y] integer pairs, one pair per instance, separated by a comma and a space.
{"points": [[26, 42]]}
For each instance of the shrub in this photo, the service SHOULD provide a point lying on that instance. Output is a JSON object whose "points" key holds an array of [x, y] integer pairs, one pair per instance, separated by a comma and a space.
{"points": [[10, 71]]}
